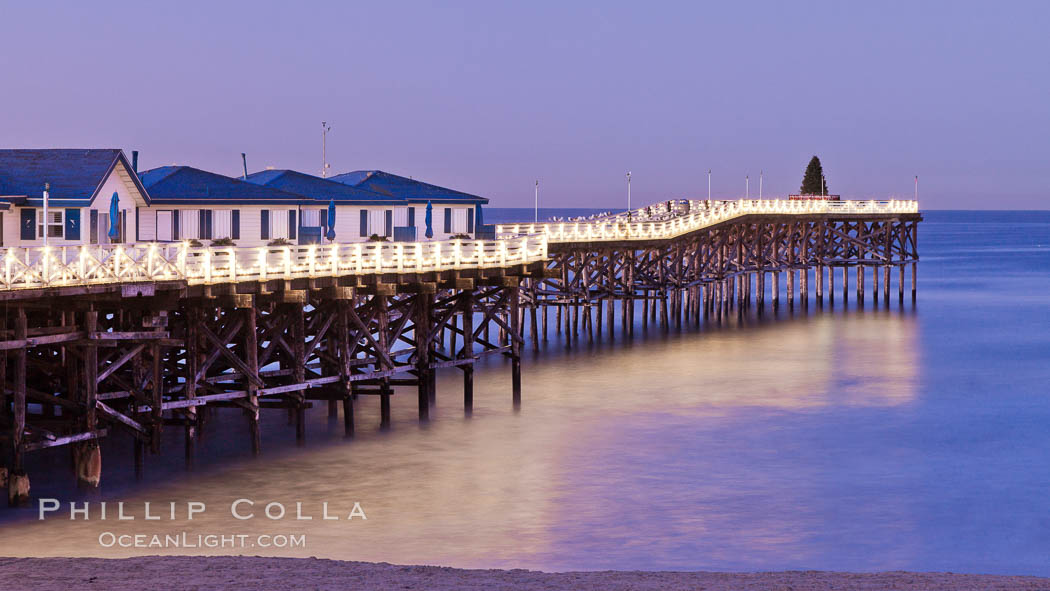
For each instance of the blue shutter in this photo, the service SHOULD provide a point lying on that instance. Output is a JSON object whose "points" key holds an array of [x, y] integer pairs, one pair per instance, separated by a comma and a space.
{"points": [[27, 222], [137, 225], [292, 227], [470, 221], [175, 215], [124, 225], [264, 224], [448, 220], [73, 223], [93, 229], [364, 223], [204, 225], [323, 217], [235, 224], [389, 223], [411, 217]]}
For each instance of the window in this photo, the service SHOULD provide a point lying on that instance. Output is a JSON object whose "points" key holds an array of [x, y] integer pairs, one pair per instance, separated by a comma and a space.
{"points": [[164, 233], [377, 222], [279, 224], [311, 218], [189, 224], [222, 224], [55, 224], [459, 220]]}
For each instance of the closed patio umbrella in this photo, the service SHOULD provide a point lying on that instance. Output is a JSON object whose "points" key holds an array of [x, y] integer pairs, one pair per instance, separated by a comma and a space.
{"points": [[331, 220], [430, 221], [114, 217]]}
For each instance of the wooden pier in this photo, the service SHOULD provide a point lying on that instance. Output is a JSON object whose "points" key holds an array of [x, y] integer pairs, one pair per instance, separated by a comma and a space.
{"points": [[140, 338]]}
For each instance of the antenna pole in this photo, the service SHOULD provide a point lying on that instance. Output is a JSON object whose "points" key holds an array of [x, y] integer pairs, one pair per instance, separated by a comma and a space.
{"points": [[628, 191], [325, 128]]}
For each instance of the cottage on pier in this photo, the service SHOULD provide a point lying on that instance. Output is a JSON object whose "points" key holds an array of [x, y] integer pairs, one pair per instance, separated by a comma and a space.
{"points": [[81, 184], [455, 212]]}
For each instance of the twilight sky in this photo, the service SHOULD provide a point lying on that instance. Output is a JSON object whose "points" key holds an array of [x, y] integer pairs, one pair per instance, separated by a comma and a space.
{"points": [[488, 96]]}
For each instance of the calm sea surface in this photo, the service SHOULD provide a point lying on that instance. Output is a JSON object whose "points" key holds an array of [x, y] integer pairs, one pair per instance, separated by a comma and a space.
{"points": [[881, 438]]}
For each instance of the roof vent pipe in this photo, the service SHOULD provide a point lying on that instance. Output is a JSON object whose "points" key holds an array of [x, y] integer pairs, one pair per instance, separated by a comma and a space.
{"points": [[244, 162], [135, 161]]}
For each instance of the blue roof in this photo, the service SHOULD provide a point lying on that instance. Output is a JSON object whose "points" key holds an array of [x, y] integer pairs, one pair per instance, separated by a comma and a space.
{"points": [[188, 185], [404, 188], [75, 175], [320, 189]]}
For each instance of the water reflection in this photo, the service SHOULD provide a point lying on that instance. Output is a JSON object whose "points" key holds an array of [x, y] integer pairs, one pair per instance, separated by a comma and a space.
{"points": [[679, 451]]}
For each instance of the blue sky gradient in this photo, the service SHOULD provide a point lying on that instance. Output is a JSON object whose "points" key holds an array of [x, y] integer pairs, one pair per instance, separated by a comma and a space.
{"points": [[487, 97]]}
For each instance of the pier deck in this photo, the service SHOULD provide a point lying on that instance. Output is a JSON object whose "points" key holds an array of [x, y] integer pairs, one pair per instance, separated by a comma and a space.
{"points": [[139, 338]]}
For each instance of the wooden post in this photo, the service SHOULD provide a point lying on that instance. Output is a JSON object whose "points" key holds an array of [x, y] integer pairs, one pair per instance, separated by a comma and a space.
{"points": [[845, 284], [819, 271], [3, 369], [875, 284], [645, 310], [515, 347], [886, 284], [156, 400], [831, 285], [791, 287], [914, 280], [545, 322], [534, 324], [299, 367], [776, 289], [17, 480], [193, 317], [860, 285], [760, 301], [87, 456], [382, 318], [467, 304], [250, 341], [900, 282]]}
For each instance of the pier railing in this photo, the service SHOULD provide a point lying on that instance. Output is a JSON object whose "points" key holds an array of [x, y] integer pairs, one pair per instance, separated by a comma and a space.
{"points": [[41, 267], [675, 218]]}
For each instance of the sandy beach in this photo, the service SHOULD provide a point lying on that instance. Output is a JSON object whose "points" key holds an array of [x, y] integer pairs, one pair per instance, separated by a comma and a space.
{"points": [[242, 572]]}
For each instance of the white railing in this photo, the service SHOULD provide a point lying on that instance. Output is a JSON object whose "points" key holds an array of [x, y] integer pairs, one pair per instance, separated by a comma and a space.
{"points": [[38, 267], [700, 215]]}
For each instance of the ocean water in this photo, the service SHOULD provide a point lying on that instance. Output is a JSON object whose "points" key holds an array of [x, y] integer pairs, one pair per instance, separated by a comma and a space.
{"points": [[910, 436]]}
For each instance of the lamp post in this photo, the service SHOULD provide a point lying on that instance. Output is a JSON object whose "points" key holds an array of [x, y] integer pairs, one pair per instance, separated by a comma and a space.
{"points": [[747, 186], [325, 128], [47, 195], [708, 184], [537, 205], [916, 187], [760, 174]]}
